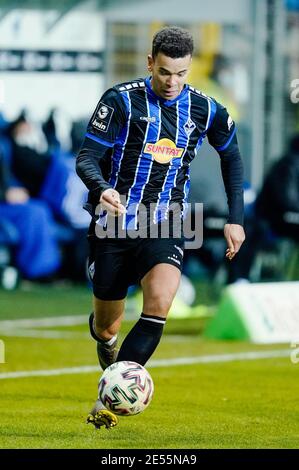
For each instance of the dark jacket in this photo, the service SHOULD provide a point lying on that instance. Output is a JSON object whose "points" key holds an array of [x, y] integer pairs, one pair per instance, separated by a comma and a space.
{"points": [[280, 191]]}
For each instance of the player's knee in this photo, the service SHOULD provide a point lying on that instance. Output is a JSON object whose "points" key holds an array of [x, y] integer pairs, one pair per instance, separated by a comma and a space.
{"points": [[158, 304]]}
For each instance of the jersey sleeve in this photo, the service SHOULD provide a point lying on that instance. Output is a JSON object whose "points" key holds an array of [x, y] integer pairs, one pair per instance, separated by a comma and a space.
{"points": [[222, 129], [108, 119]]}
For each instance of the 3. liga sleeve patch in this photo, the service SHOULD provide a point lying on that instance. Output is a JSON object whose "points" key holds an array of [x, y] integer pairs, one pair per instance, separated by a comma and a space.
{"points": [[102, 117]]}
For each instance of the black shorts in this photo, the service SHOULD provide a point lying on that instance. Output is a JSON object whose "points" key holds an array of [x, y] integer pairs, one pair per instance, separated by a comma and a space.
{"points": [[115, 264]]}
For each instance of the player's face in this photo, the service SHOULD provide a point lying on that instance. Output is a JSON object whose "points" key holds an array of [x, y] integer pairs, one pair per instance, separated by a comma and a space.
{"points": [[168, 75]]}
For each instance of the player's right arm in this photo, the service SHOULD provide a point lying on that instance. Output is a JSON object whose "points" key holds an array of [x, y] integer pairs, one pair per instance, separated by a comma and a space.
{"points": [[102, 131]]}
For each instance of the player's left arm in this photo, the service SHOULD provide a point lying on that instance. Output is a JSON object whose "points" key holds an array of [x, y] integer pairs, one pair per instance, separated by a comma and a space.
{"points": [[222, 136]]}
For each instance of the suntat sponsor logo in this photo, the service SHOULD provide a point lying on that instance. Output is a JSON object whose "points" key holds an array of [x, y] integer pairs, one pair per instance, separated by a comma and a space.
{"points": [[163, 151]]}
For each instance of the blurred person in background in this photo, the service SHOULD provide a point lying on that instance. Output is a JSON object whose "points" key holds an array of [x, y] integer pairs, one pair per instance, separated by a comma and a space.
{"points": [[275, 212], [37, 254], [49, 175], [278, 201], [149, 130]]}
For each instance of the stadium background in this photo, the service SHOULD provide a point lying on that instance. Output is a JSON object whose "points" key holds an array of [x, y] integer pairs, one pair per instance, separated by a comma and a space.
{"points": [[55, 62]]}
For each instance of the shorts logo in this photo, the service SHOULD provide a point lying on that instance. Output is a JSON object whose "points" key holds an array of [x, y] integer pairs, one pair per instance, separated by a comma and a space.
{"points": [[103, 117], [179, 250], [174, 258], [163, 151], [91, 271]]}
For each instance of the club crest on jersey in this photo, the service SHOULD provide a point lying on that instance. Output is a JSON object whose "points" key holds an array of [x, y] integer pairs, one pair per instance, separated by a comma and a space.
{"points": [[189, 126], [163, 151], [103, 117]]}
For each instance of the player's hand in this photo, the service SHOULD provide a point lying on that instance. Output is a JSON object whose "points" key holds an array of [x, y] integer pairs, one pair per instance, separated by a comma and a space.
{"points": [[235, 236], [110, 201]]}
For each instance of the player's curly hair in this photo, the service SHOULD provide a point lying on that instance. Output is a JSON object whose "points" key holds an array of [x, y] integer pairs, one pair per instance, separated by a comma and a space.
{"points": [[172, 41]]}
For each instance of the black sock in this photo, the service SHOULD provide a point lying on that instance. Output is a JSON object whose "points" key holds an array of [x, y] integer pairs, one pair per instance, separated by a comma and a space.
{"points": [[142, 340]]}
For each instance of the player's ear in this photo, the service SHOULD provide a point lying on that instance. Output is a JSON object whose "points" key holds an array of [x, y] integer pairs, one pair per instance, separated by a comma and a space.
{"points": [[150, 63]]}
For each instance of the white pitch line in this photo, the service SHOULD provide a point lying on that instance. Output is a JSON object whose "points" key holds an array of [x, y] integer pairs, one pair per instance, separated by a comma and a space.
{"points": [[243, 356], [69, 320], [70, 335], [214, 358], [47, 334], [24, 328]]}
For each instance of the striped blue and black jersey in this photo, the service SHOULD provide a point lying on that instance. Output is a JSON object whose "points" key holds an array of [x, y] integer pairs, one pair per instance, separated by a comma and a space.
{"points": [[149, 143]]}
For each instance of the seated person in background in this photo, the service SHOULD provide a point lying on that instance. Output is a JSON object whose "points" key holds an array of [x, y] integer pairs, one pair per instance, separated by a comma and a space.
{"points": [[278, 201], [50, 177], [37, 254]]}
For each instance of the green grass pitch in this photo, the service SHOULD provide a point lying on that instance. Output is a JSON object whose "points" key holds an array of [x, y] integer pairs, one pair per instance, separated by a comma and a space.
{"points": [[235, 404]]}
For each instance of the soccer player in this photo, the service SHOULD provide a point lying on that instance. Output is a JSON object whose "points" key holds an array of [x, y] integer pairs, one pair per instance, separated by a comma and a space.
{"points": [[136, 154]]}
